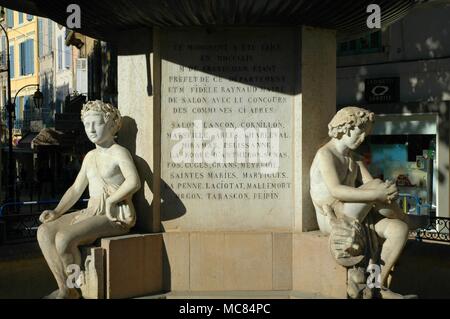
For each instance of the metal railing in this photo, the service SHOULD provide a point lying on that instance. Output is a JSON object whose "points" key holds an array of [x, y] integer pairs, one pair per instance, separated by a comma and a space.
{"points": [[17, 226], [438, 229]]}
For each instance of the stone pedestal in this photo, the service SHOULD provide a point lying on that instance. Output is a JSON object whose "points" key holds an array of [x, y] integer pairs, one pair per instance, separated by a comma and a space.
{"points": [[228, 261], [314, 269], [123, 267], [133, 265], [231, 225]]}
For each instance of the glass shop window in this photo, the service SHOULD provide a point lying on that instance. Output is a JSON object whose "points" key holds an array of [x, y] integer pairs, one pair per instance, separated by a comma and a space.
{"points": [[403, 150], [368, 43]]}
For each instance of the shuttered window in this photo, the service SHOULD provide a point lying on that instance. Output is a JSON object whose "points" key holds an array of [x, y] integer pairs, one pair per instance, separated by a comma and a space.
{"points": [[40, 37], [82, 76], [26, 53], [60, 53], [19, 108], [11, 60], [50, 35], [31, 56], [4, 48], [10, 18], [67, 57], [22, 57]]}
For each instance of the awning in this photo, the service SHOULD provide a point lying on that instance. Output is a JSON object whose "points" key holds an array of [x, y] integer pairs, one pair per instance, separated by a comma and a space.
{"points": [[102, 19], [47, 137]]}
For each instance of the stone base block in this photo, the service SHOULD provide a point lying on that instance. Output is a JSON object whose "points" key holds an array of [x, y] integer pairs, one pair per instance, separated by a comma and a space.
{"points": [[228, 261], [133, 265], [314, 269]]}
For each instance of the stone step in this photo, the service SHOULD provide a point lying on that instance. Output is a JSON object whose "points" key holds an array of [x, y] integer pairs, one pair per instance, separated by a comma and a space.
{"points": [[234, 295]]}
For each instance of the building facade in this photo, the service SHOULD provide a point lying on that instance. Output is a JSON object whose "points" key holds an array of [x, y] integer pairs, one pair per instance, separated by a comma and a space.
{"points": [[46, 53], [402, 73], [23, 47]]}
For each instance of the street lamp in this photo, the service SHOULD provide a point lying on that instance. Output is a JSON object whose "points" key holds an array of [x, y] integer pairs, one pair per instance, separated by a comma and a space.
{"points": [[38, 97]]}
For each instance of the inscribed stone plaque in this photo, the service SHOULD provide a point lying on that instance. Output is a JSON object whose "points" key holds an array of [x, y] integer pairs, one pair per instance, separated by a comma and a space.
{"points": [[227, 108]]}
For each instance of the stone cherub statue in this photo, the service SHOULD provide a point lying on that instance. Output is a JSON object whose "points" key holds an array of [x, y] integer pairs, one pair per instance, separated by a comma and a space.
{"points": [[354, 208], [112, 177]]}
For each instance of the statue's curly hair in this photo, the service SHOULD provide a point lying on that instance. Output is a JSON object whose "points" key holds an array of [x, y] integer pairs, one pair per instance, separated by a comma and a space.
{"points": [[347, 118], [109, 112]]}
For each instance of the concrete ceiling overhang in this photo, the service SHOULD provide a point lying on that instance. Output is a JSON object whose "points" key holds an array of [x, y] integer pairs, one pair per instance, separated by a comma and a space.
{"points": [[103, 19]]}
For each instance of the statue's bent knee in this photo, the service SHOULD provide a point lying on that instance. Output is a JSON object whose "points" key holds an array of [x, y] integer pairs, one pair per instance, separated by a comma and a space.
{"points": [[43, 233], [398, 229], [63, 243]]}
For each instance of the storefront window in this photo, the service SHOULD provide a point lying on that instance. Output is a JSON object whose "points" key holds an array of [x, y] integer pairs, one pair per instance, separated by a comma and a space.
{"points": [[369, 43], [403, 149]]}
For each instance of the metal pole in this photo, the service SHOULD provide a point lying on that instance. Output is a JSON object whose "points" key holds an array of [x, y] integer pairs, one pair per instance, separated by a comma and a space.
{"points": [[430, 181], [9, 107]]}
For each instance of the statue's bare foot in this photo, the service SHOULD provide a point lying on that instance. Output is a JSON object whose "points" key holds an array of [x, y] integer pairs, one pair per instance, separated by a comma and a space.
{"points": [[388, 294], [68, 293], [53, 295]]}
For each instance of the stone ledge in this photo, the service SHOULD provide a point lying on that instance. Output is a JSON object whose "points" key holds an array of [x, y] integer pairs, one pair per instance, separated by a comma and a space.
{"points": [[233, 294], [314, 270], [133, 265], [228, 261]]}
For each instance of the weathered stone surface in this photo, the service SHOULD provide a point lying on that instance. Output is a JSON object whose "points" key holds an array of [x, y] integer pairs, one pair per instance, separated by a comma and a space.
{"points": [[224, 81], [198, 231], [176, 261], [228, 261], [282, 261], [314, 270], [134, 265], [94, 273]]}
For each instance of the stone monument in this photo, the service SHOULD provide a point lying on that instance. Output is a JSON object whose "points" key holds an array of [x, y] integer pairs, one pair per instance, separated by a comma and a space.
{"points": [[356, 209], [217, 93], [111, 175]]}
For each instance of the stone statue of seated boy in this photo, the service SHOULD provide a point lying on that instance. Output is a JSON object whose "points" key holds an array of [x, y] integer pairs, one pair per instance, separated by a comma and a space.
{"points": [[112, 178], [345, 196]]}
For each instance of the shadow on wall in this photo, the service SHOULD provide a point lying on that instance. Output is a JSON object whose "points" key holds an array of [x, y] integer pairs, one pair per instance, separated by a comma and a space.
{"points": [[431, 15], [423, 269], [215, 42], [171, 205]]}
